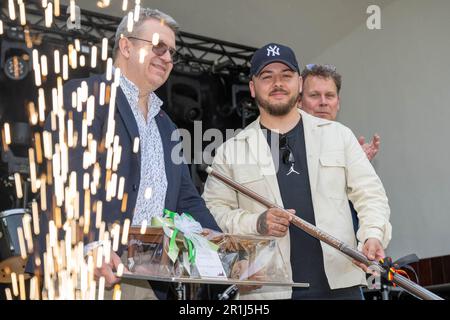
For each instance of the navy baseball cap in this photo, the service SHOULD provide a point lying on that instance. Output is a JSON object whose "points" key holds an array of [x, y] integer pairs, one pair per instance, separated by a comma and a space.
{"points": [[273, 52]]}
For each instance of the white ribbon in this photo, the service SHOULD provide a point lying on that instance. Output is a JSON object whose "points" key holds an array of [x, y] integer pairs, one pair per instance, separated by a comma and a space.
{"points": [[192, 230], [187, 225]]}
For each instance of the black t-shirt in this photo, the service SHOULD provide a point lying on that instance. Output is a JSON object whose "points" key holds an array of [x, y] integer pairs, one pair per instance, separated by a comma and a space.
{"points": [[306, 251]]}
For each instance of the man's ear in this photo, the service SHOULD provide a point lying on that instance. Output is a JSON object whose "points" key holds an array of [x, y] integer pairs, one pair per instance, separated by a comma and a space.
{"points": [[251, 85], [300, 85], [339, 103], [299, 101], [124, 47]]}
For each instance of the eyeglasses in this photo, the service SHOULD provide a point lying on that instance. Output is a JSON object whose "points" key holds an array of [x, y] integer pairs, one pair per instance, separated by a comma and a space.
{"points": [[160, 49], [328, 67], [287, 154]]}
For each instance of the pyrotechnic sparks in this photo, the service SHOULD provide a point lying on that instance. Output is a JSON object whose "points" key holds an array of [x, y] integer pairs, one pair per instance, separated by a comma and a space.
{"points": [[44, 66], [7, 131], [32, 113], [143, 226], [35, 213], [49, 15], [142, 54], [130, 22], [37, 74], [109, 64], [121, 188], [12, 10], [101, 288], [15, 287], [104, 49], [155, 39], [8, 294], [68, 271], [18, 184], [137, 10], [73, 57], [77, 45], [124, 5], [126, 229], [32, 170], [57, 8], [23, 295], [23, 18], [82, 61], [41, 105], [148, 193], [56, 59], [72, 11], [23, 250], [117, 292], [65, 67], [94, 57]]}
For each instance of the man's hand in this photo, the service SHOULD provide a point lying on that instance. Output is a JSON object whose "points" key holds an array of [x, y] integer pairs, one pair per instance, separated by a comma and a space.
{"points": [[274, 222], [371, 149], [107, 270], [373, 250]]}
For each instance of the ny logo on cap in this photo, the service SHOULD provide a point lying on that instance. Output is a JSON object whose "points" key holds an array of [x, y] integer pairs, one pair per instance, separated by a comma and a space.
{"points": [[274, 50]]}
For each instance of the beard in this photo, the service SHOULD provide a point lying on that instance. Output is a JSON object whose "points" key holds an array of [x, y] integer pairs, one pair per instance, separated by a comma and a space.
{"points": [[279, 109]]}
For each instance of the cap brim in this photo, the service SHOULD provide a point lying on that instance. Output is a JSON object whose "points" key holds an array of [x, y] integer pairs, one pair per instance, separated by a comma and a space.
{"points": [[272, 61]]}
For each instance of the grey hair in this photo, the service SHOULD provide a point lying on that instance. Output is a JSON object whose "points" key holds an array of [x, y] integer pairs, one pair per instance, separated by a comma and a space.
{"points": [[144, 15]]}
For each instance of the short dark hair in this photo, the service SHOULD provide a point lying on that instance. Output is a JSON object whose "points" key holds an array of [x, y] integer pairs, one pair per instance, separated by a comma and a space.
{"points": [[323, 71]]}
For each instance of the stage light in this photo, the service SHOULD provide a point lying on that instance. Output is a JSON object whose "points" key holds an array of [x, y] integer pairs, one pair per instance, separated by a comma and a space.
{"points": [[184, 99], [16, 68], [187, 108], [15, 60], [244, 104]]}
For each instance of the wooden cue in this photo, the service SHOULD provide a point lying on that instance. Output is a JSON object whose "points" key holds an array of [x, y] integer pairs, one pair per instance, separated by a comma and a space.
{"points": [[403, 282]]}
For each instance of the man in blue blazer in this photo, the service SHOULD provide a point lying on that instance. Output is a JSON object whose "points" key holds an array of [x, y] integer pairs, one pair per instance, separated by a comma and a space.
{"points": [[121, 118]]}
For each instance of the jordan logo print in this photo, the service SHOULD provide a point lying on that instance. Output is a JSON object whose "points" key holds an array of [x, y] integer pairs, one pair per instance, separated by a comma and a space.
{"points": [[292, 170]]}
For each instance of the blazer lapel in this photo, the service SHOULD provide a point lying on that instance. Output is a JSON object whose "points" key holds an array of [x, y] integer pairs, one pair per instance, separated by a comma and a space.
{"points": [[126, 113]]}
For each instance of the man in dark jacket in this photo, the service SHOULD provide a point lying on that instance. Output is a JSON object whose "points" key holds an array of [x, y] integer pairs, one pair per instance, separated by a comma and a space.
{"points": [[118, 118]]}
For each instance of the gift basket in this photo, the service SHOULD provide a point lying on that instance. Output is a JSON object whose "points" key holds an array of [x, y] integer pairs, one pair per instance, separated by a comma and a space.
{"points": [[176, 246]]}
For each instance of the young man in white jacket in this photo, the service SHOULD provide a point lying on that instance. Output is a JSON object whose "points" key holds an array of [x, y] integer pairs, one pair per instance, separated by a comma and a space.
{"points": [[313, 167]]}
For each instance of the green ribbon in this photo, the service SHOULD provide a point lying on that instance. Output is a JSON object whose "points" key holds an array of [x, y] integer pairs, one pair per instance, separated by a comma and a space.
{"points": [[169, 222], [173, 248], [169, 214]]}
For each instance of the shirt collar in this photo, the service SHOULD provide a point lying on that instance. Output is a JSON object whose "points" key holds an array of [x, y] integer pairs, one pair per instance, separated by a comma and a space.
{"points": [[131, 92]]}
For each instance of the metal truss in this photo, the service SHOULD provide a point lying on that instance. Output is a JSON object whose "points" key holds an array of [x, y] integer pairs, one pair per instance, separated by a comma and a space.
{"points": [[199, 53]]}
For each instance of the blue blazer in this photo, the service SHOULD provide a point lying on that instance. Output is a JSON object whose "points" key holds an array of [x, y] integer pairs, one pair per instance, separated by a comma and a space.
{"points": [[181, 196]]}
